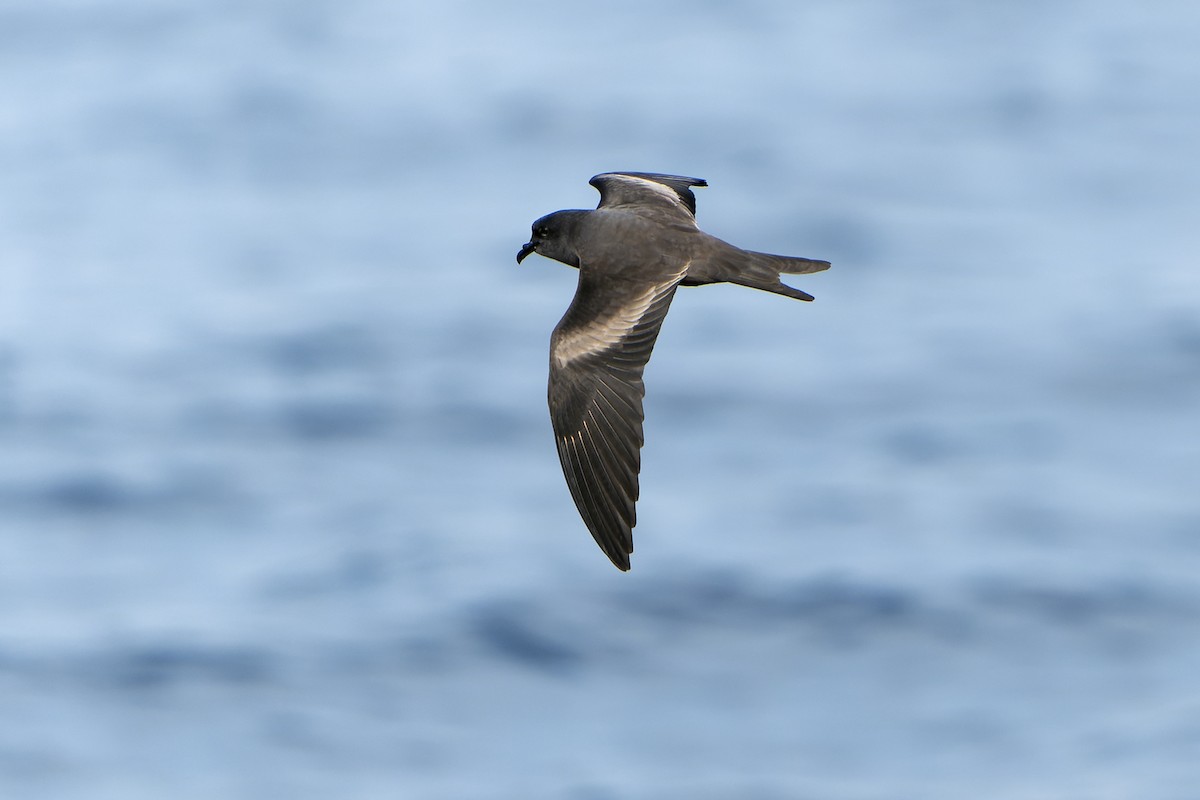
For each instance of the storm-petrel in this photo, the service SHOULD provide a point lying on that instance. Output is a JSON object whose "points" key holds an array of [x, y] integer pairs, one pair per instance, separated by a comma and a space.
{"points": [[632, 252]]}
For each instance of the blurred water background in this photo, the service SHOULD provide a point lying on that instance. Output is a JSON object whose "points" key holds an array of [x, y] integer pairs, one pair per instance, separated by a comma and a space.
{"points": [[281, 513]]}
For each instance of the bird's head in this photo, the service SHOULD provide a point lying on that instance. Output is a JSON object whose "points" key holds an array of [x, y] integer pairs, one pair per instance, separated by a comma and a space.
{"points": [[552, 238]]}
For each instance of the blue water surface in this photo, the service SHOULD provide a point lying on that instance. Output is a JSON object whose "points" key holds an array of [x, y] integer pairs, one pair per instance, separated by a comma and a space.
{"points": [[280, 512]]}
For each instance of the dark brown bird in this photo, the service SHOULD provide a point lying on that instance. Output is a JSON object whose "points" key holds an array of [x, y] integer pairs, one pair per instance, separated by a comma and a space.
{"points": [[632, 252]]}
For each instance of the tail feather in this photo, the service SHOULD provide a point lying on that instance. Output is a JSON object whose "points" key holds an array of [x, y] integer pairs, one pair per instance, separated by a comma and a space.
{"points": [[788, 265], [777, 287], [724, 263], [762, 271]]}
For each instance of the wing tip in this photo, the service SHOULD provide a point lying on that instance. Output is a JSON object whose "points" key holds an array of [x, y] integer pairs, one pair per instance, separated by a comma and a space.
{"points": [[618, 549], [621, 563]]}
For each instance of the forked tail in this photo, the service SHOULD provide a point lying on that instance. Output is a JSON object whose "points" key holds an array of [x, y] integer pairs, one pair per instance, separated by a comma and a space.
{"points": [[762, 271]]}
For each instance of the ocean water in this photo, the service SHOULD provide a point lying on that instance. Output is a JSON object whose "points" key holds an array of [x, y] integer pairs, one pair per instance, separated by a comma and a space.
{"points": [[280, 512]]}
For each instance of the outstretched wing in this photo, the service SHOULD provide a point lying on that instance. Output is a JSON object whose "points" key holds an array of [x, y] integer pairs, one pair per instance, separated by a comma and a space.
{"points": [[597, 354], [649, 190]]}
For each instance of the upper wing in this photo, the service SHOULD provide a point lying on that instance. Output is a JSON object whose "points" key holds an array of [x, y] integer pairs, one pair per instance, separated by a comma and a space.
{"points": [[649, 190], [597, 354]]}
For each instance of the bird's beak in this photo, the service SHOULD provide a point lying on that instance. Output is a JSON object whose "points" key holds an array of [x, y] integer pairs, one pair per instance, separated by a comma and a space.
{"points": [[525, 250]]}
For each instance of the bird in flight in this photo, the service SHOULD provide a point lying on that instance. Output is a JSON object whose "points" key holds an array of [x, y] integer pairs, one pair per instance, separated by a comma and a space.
{"points": [[632, 252]]}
